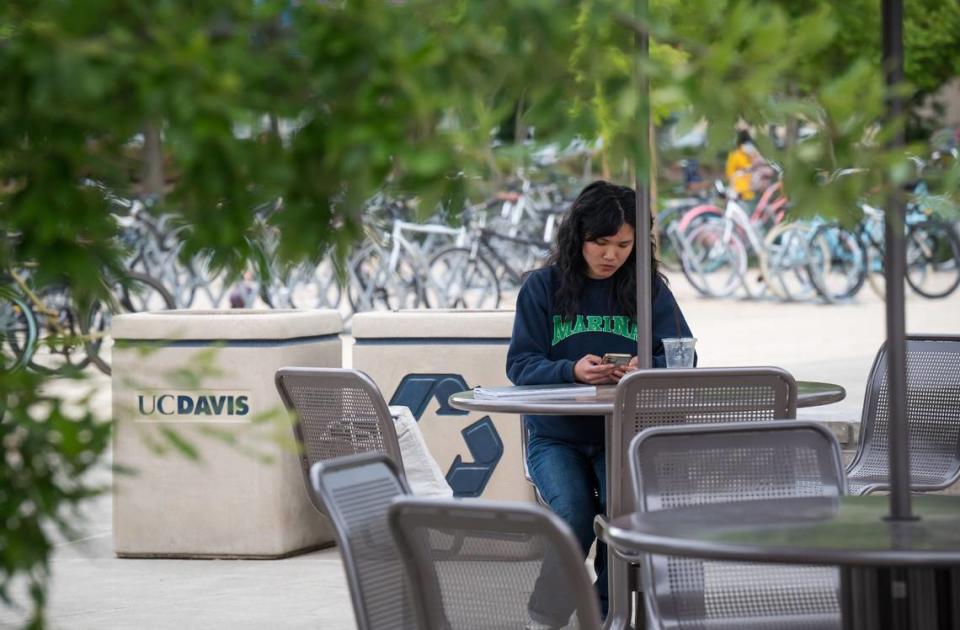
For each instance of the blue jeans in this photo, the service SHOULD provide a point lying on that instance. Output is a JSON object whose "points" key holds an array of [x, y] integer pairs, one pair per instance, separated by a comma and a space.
{"points": [[572, 479]]}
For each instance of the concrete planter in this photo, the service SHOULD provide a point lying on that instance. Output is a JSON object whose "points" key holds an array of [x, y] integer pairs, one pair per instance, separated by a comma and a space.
{"points": [[206, 377]]}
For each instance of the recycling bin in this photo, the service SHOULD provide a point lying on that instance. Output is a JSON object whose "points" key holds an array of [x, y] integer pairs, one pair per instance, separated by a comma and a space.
{"points": [[207, 463], [418, 358]]}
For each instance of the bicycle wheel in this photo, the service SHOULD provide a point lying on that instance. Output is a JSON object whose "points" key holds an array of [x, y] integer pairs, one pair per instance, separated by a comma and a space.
{"points": [[315, 286], [876, 267], [668, 221], [702, 213], [60, 342], [19, 328], [713, 259], [328, 283], [784, 264], [306, 286], [515, 259], [933, 259], [459, 279], [840, 275], [181, 280], [372, 285], [135, 293], [667, 254]]}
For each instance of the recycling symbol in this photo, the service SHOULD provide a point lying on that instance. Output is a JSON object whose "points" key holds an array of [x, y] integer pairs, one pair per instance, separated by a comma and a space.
{"points": [[468, 479]]}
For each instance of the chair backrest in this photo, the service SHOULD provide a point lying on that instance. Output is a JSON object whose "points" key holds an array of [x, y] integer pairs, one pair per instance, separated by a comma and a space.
{"points": [[679, 466], [475, 565], [742, 461], [355, 491], [338, 412], [933, 417], [650, 398]]}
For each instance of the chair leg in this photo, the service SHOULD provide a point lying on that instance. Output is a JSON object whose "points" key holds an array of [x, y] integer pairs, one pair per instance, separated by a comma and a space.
{"points": [[637, 599], [620, 593]]}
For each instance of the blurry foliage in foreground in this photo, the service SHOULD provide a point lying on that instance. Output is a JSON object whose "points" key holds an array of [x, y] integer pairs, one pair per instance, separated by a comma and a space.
{"points": [[324, 103]]}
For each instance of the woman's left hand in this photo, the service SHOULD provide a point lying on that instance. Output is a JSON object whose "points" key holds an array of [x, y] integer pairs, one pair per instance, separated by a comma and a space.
{"points": [[620, 372]]}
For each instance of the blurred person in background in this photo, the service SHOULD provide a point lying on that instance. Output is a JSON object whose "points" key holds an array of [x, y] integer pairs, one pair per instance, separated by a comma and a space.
{"points": [[747, 171]]}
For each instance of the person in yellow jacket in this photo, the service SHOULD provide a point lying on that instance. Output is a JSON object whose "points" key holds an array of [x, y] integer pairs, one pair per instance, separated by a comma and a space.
{"points": [[740, 164]]}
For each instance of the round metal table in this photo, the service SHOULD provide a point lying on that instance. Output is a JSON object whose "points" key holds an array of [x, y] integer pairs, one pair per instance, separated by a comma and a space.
{"points": [[894, 574], [809, 394]]}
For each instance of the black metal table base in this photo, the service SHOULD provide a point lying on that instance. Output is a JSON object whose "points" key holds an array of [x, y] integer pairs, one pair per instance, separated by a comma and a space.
{"points": [[898, 598]]}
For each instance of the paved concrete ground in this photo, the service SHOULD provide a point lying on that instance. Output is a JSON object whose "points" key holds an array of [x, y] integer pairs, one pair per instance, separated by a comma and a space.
{"points": [[92, 589]]}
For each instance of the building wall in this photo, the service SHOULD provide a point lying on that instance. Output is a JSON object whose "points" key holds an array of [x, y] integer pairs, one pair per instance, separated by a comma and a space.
{"points": [[949, 97]]}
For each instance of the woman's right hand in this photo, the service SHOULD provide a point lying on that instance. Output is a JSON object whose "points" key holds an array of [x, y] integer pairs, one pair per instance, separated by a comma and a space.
{"points": [[591, 370]]}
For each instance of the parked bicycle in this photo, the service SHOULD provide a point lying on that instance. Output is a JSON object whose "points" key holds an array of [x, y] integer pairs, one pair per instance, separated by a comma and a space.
{"points": [[837, 261], [932, 252], [715, 252], [58, 343], [392, 272], [45, 331], [131, 293], [473, 275]]}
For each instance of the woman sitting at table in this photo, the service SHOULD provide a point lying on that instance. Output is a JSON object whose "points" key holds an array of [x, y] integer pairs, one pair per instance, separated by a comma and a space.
{"points": [[569, 314]]}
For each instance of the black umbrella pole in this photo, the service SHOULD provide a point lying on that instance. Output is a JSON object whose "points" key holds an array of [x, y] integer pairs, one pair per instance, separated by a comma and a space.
{"points": [[895, 268], [642, 181], [897, 363]]}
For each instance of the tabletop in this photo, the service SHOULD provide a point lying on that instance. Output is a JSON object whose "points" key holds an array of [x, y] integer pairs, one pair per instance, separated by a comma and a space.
{"points": [[847, 530], [809, 394]]}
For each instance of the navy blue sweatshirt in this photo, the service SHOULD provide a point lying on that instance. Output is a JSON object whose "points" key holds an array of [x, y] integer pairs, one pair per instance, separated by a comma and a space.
{"points": [[545, 345]]}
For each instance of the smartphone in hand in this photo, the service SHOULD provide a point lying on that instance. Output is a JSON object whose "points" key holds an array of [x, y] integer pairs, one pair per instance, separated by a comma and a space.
{"points": [[616, 358]]}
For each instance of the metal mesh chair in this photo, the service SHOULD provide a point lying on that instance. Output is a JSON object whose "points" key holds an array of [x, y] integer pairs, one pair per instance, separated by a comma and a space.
{"points": [[650, 398], [933, 418], [355, 492], [338, 412], [475, 565], [679, 466]]}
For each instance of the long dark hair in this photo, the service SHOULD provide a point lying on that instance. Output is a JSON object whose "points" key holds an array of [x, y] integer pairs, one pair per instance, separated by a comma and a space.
{"points": [[598, 211]]}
